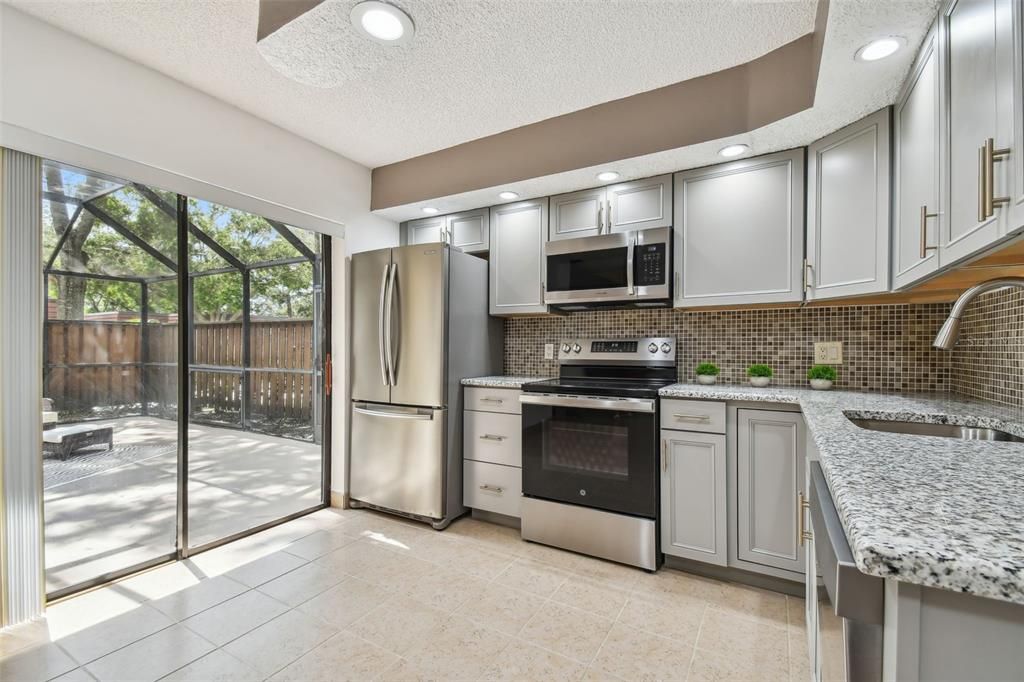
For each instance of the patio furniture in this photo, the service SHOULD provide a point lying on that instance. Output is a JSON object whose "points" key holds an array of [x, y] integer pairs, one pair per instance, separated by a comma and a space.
{"points": [[64, 440], [49, 414]]}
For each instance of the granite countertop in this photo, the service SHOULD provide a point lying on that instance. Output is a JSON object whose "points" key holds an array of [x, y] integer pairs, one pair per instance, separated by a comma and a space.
{"points": [[500, 381], [939, 512]]}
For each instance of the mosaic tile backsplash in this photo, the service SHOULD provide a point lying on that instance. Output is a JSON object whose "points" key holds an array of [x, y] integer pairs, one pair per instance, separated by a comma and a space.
{"points": [[885, 348], [988, 362]]}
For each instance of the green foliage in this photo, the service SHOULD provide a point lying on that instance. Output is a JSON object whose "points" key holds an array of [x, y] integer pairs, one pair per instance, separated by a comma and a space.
{"points": [[707, 369], [822, 372], [759, 371]]}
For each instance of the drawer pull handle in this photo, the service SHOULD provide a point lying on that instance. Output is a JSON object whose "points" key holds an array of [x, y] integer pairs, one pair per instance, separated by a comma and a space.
{"points": [[491, 436], [491, 400], [693, 417], [492, 488]]}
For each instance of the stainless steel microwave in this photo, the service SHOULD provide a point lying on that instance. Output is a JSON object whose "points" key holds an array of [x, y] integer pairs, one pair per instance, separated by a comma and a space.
{"points": [[624, 269]]}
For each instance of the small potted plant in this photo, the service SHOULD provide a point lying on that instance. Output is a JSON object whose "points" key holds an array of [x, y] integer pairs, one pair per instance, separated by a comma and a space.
{"points": [[707, 373], [760, 375], [821, 377]]}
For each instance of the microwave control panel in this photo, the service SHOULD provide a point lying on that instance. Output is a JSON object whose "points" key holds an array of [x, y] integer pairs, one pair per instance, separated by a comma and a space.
{"points": [[649, 265]]}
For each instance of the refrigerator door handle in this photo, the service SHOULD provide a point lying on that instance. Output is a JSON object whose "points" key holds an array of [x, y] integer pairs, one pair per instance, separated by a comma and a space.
{"points": [[381, 334], [389, 333], [425, 415]]}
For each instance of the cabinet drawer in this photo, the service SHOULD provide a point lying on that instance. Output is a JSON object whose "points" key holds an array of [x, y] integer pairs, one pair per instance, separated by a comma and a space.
{"points": [[493, 399], [693, 415], [492, 487], [492, 437]]}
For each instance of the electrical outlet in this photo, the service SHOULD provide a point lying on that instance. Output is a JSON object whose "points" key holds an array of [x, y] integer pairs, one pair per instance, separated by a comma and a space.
{"points": [[828, 353], [549, 351]]}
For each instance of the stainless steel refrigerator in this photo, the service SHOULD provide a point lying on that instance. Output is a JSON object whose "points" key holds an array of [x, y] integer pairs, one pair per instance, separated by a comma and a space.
{"points": [[419, 326]]}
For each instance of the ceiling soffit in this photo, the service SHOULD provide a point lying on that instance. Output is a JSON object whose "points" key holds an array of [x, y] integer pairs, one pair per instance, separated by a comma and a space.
{"points": [[728, 102]]}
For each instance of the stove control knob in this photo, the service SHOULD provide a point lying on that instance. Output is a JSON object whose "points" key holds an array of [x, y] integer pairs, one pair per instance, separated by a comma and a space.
{"points": [[665, 348], [565, 348], [577, 348], [653, 347]]}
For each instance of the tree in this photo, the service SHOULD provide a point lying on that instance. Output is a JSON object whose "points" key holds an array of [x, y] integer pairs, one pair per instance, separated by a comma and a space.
{"points": [[70, 290]]}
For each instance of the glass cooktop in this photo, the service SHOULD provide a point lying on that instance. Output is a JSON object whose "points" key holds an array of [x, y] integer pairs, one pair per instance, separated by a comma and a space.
{"points": [[621, 388]]}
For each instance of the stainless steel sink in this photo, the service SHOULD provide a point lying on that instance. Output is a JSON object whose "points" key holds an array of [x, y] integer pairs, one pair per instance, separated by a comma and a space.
{"points": [[940, 430]]}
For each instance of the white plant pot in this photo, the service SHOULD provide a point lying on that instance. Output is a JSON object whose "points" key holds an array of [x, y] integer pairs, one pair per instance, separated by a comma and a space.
{"points": [[760, 382], [821, 384], [707, 379]]}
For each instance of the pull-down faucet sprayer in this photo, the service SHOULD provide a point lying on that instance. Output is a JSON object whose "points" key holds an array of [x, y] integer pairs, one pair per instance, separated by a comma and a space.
{"points": [[950, 331]]}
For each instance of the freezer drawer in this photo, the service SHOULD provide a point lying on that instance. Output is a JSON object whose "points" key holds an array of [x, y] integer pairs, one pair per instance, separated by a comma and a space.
{"points": [[398, 458]]}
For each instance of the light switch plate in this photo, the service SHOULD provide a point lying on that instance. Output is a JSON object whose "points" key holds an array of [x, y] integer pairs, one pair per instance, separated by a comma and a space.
{"points": [[828, 353], [549, 351]]}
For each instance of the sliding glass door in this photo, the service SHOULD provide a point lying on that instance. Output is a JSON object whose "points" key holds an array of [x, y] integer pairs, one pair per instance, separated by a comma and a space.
{"points": [[117, 364]]}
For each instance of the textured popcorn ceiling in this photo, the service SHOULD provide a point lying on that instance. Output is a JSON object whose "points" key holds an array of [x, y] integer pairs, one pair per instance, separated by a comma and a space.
{"points": [[474, 68], [478, 67]]}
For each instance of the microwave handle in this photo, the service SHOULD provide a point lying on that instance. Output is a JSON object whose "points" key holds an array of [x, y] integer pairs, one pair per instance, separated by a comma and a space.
{"points": [[629, 266]]}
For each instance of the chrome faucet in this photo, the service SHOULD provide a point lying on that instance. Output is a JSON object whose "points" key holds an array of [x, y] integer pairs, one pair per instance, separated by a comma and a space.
{"points": [[950, 331]]}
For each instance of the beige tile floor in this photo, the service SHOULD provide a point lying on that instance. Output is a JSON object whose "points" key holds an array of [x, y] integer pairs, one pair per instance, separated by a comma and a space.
{"points": [[345, 594]]}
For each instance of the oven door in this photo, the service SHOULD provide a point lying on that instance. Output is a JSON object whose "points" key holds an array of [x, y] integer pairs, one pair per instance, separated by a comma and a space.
{"points": [[593, 451]]}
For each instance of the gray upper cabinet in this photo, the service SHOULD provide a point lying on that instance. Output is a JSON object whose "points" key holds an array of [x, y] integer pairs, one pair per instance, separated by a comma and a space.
{"points": [[578, 214], [639, 204], [634, 205], [769, 481], [517, 265], [739, 232], [424, 230], [848, 211], [693, 496], [917, 170], [978, 71], [469, 231]]}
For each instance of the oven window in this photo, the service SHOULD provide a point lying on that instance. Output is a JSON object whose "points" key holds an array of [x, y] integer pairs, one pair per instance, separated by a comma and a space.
{"points": [[601, 269], [574, 446]]}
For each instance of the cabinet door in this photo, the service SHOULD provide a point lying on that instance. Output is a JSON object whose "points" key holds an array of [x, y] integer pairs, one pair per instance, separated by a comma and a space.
{"points": [[577, 214], [425, 230], [469, 231], [769, 477], [739, 232], [848, 211], [977, 36], [640, 204], [517, 257], [693, 492], [917, 171]]}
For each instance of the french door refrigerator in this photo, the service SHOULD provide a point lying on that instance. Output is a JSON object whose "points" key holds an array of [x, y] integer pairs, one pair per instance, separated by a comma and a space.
{"points": [[419, 326]]}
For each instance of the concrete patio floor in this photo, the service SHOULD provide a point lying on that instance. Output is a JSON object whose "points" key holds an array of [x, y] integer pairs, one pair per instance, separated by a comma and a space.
{"points": [[126, 515]]}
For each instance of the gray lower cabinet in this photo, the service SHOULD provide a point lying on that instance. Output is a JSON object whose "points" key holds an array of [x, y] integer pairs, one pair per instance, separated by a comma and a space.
{"points": [[739, 232], [517, 266], [469, 231], [848, 211], [634, 205], [978, 67], [424, 230], [693, 496], [492, 475], [917, 170], [769, 484]]}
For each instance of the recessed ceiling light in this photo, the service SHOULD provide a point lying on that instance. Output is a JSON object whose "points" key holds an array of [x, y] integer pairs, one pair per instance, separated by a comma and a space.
{"points": [[879, 49], [382, 22], [429, 209], [733, 150], [508, 194], [607, 176]]}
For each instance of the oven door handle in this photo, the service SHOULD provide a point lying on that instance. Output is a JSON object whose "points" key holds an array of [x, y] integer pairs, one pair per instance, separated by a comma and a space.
{"points": [[590, 402]]}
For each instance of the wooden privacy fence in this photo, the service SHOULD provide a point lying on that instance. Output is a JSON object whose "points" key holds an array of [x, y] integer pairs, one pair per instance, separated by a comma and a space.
{"points": [[106, 364]]}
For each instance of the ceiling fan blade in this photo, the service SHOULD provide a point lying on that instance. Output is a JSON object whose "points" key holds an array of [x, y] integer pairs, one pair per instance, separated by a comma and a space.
{"points": [[276, 13]]}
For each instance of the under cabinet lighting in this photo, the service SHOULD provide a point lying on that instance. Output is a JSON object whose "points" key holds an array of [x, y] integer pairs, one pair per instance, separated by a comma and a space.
{"points": [[879, 49], [733, 150]]}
